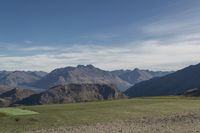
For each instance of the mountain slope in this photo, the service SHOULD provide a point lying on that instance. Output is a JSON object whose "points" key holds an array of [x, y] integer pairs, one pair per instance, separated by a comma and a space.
{"points": [[172, 84], [20, 78], [4, 73], [14, 95], [4, 88], [73, 93], [80, 74], [137, 75]]}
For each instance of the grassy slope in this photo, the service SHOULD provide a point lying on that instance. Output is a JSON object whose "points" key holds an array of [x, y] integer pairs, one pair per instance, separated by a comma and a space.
{"points": [[93, 112]]}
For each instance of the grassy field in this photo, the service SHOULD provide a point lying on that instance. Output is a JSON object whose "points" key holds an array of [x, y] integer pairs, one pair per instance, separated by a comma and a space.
{"points": [[92, 112]]}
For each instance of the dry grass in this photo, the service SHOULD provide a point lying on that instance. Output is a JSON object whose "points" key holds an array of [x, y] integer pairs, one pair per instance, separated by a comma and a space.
{"points": [[2, 114], [103, 116], [178, 123]]}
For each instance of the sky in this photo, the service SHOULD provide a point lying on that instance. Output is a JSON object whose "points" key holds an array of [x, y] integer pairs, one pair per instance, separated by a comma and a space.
{"points": [[109, 34]]}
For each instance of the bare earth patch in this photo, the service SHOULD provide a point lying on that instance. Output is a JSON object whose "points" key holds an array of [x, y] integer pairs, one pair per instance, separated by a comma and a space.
{"points": [[177, 123]]}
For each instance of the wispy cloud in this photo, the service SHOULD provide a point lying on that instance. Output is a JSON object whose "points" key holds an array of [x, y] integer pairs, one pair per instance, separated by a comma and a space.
{"points": [[173, 43], [180, 23], [150, 54], [38, 48]]}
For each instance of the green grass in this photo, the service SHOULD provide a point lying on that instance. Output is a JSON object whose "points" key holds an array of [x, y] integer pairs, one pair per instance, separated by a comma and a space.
{"points": [[92, 112], [16, 111]]}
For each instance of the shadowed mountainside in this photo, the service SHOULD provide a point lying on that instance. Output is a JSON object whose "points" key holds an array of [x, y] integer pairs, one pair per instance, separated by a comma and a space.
{"points": [[14, 95], [172, 84]]}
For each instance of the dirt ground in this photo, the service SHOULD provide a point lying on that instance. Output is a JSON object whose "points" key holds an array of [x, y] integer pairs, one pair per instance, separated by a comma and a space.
{"points": [[177, 123]]}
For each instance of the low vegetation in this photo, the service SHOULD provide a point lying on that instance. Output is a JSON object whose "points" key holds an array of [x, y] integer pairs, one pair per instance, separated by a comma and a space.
{"points": [[16, 111], [59, 115]]}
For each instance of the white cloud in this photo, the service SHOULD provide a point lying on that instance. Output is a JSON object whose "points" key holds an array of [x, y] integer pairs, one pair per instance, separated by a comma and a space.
{"points": [[150, 54], [180, 47]]}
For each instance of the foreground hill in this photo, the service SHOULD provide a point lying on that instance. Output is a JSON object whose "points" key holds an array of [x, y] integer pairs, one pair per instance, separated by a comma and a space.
{"points": [[20, 78], [172, 84], [137, 75], [14, 95], [73, 93], [80, 75]]}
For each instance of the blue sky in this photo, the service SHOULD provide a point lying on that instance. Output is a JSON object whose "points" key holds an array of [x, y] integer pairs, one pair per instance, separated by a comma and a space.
{"points": [[110, 34]]}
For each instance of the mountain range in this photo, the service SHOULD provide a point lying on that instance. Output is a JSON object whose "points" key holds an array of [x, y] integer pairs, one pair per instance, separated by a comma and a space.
{"points": [[88, 83], [137, 75], [172, 84], [79, 75], [38, 80]]}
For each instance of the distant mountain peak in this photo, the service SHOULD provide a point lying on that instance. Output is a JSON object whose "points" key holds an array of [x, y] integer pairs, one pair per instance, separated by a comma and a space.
{"points": [[86, 66], [137, 75], [136, 69], [81, 74], [90, 66]]}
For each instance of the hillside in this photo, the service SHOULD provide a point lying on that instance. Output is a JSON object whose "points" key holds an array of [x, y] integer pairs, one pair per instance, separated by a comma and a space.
{"points": [[14, 95], [79, 75], [172, 84], [73, 93]]}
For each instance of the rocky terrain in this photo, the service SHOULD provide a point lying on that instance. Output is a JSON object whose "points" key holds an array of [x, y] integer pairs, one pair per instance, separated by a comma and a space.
{"points": [[176, 123], [4, 88], [73, 93]]}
